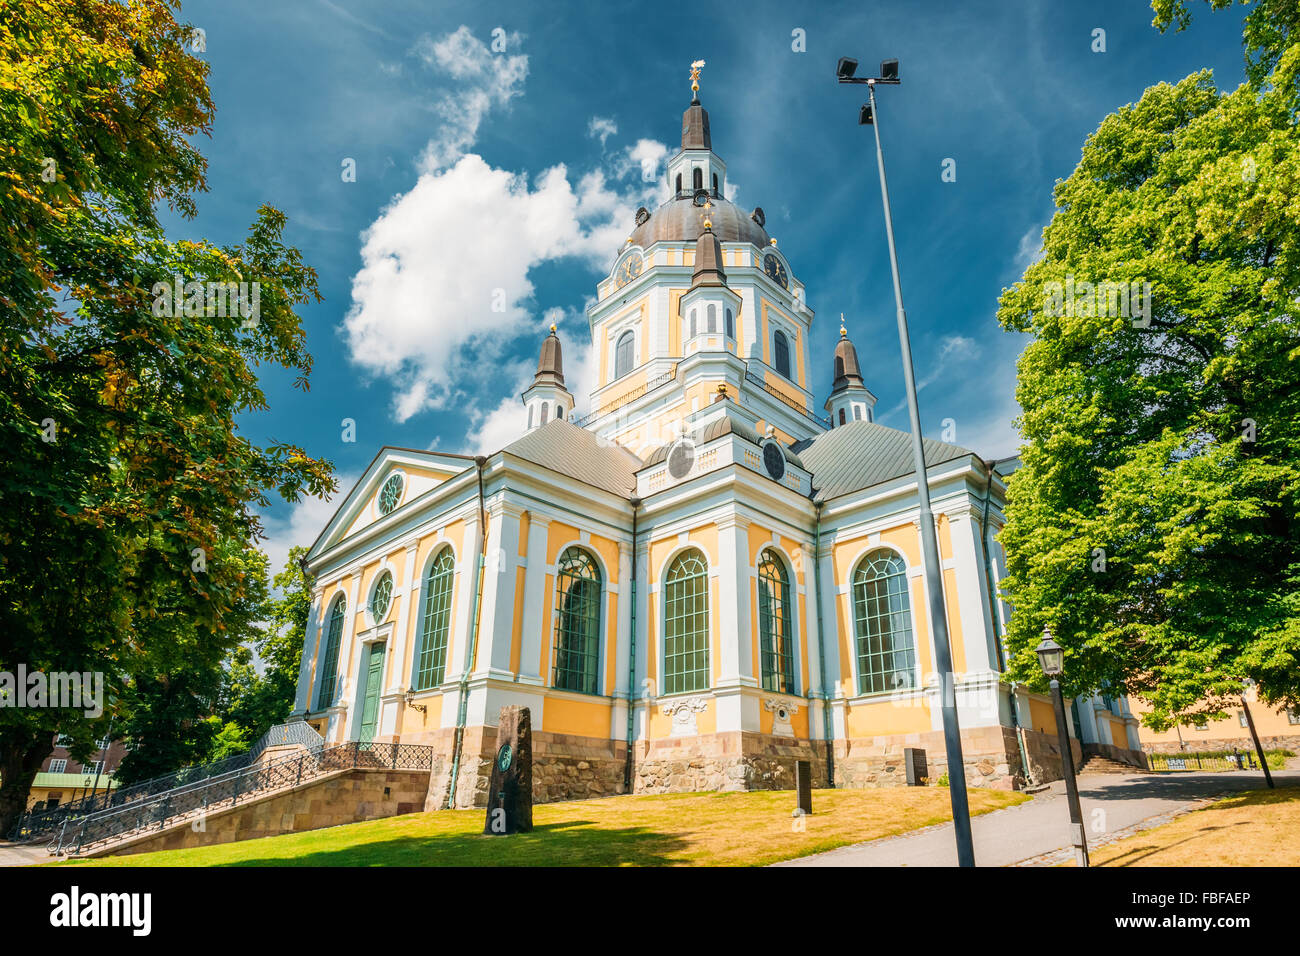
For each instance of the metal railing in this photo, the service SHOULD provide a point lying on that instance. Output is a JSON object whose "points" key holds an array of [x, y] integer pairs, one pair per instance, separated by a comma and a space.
{"points": [[228, 790], [32, 826], [630, 395], [1191, 760], [776, 392]]}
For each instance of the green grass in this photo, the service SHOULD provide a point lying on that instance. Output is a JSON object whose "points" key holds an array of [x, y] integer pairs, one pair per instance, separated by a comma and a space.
{"points": [[729, 829]]}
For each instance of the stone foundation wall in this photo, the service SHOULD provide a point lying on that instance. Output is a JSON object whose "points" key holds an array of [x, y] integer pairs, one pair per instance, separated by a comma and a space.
{"points": [[1276, 742], [729, 761], [348, 796], [1044, 752], [990, 757]]}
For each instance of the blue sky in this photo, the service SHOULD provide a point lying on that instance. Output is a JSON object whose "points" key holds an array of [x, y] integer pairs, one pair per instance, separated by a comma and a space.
{"points": [[509, 177]]}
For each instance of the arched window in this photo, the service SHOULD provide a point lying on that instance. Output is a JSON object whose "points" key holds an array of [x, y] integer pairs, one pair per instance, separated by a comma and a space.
{"points": [[624, 354], [776, 637], [679, 184], [545, 408], [841, 416], [731, 325], [559, 412], [715, 184], [857, 413], [431, 658], [781, 354], [686, 624], [883, 622], [713, 318], [698, 178], [577, 623], [330, 659]]}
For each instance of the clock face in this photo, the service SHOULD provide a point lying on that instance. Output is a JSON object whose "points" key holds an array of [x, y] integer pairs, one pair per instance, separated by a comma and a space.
{"points": [[773, 267], [774, 460], [628, 269]]}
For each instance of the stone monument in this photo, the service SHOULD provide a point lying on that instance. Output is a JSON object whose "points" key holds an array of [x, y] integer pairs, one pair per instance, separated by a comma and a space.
{"points": [[510, 791]]}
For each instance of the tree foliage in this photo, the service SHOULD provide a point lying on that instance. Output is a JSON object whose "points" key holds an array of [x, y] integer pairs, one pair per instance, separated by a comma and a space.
{"points": [[128, 494], [1154, 524]]}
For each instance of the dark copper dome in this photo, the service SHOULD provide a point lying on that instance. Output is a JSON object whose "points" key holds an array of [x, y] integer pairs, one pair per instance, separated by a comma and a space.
{"points": [[680, 220]]}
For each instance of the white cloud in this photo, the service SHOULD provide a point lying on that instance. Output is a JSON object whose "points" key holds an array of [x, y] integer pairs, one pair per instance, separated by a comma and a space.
{"points": [[601, 128], [444, 291], [1030, 248], [645, 157], [486, 80]]}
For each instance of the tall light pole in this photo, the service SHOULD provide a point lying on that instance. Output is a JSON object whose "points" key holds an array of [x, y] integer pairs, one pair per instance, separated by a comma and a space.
{"points": [[938, 615], [1052, 659]]}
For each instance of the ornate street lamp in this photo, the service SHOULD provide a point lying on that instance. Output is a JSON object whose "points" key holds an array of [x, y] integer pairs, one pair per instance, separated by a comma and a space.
{"points": [[1052, 659]]}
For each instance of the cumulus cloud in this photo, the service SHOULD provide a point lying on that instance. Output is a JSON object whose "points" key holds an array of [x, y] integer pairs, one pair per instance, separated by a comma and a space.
{"points": [[444, 290], [1030, 248], [601, 128]]}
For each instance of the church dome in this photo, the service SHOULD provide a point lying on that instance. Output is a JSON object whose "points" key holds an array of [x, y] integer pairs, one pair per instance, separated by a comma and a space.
{"points": [[680, 220]]}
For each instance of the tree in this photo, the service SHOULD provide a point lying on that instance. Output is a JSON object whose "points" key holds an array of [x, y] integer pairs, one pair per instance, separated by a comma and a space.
{"points": [[127, 491], [1154, 522]]}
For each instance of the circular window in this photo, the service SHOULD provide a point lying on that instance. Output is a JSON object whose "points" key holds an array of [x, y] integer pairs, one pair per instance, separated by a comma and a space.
{"points": [[774, 460], [381, 597], [390, 494], [681, 458]]}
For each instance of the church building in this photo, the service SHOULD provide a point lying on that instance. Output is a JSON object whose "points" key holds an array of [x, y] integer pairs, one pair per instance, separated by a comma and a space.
{"points": [[701, 581]]}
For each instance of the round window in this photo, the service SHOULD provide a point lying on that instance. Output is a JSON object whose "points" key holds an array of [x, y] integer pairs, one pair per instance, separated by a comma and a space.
{"points": [[774, 460], [390, 494], [381, 597], [681, 458]]}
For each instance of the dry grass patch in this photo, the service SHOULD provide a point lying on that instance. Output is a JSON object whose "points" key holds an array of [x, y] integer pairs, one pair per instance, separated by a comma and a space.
{"points": [[718, 829], [1259, 828]]}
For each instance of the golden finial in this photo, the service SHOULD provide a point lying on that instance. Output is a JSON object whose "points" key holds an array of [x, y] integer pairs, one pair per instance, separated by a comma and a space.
{"points": [[843, 331], [552, 326], [773, 240], [695, 76], [708, 215]]}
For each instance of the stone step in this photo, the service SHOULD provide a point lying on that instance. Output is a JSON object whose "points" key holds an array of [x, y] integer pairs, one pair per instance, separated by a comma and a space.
{"points": [[1105, 765]]}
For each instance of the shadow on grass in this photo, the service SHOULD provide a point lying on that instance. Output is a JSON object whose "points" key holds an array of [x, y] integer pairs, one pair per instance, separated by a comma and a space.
{"points": [[570, 843]]}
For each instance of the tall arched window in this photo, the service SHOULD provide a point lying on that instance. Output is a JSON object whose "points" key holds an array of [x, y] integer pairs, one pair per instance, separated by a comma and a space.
{"points": [[545, 409], [883, 622], [679, 184], [715, 184], [731, 325], [781, 354], [698, 178], [686, 624], [712, 323], [775, 635], [624, 354], [577, 623], [431, 658], [330, 659], [841, 416]]}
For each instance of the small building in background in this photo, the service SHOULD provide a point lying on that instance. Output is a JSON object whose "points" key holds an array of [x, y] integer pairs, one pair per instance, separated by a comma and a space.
{"points": [[1278, 728], [62, 778]]}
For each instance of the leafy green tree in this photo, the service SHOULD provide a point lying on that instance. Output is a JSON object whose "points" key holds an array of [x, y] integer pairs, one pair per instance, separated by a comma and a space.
{"points": [[1154, 523], [127, 492]]}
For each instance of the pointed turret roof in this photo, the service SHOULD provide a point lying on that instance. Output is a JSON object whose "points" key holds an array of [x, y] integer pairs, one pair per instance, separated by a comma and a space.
{"points": [[847, 371], [550, 366]]}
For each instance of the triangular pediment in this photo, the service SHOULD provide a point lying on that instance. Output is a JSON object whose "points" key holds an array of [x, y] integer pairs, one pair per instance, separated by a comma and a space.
{"points": [[420, 472]]}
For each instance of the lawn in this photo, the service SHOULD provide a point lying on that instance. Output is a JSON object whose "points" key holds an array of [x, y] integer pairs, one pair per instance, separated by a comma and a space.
{"points": [[720, 829], [1259, 828]]}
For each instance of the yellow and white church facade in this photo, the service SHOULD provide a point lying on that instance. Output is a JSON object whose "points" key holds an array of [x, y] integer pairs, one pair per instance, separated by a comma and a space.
{"points": [[695, 585]]}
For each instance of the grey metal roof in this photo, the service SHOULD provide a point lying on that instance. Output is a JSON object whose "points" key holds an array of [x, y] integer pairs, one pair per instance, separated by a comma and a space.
{"points": [[857, 455], [578, 453]]}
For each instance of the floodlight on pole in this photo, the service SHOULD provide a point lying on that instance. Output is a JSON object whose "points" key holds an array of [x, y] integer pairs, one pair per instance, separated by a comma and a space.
{"points": [[938, 611]]}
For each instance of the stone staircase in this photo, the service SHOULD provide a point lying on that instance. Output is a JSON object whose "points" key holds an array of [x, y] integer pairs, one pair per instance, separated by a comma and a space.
{"points": [[1097, 764]]}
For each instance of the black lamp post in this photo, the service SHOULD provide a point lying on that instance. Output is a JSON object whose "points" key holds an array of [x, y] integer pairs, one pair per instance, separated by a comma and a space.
{"points": [[1052, 660], [938, 616]]}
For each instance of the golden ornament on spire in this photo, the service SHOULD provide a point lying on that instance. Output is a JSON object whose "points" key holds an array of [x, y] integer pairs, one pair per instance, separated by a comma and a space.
{"points": [[552, 326], [708, 215], [695, 75], [843, 331]]}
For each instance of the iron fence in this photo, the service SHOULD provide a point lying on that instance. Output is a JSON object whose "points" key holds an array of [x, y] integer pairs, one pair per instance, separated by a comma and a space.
{"points": [[1191, 760], [33, 826], [230, 789]]}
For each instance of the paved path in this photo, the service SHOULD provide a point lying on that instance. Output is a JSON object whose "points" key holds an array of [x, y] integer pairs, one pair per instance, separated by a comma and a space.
{"points": [[23, 854], [1111, 804]]}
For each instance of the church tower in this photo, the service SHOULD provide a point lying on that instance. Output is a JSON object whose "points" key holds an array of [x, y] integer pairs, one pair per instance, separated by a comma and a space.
{"points": [[547, 398], [850, 401]]}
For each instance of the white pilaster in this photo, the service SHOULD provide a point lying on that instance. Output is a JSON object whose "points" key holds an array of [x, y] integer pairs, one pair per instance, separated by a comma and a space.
{"points": [[310, 651], [462, 627], [497, 631], [534, 600]]}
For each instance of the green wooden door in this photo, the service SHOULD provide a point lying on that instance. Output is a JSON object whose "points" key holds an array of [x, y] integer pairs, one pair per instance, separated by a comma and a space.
{"points": [[370, 705]]}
